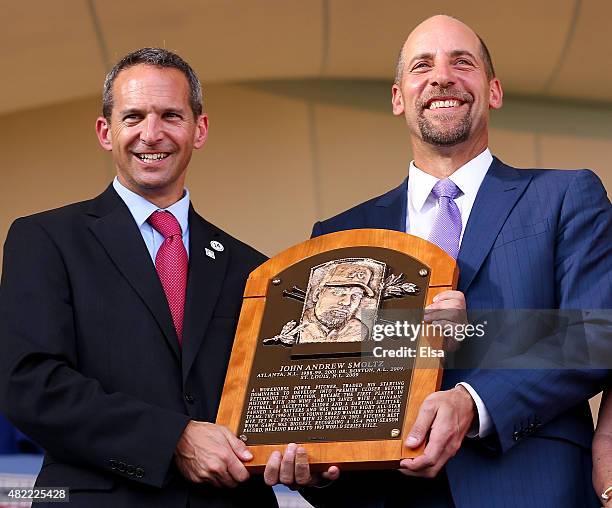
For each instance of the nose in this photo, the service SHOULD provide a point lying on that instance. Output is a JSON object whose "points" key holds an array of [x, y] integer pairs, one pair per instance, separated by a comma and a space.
{"points": [[152, 131], [443, 75]]}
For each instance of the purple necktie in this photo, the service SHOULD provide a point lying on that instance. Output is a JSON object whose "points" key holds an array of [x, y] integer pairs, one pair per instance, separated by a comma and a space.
{"points": [[446, 229]]}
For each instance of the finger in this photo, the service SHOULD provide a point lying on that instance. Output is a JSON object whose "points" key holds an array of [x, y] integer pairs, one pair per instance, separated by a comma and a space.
{"points": [[451, 344], [238, 446], [445, 307], [444, 325], [218, 471], [454, 316], [287, 468], [210, 479], [236, 470], [273, 469], [425, 417], [429, 459], [449, 294], [302, 468], [420, 464], [446, 304], [423, 468], [190, 472], [405, 468], [442, 432], [332, 473]]}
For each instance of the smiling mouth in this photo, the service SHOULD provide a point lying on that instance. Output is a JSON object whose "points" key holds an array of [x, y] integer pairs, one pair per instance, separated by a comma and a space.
{"points": [[439, 104], [151, 157]]}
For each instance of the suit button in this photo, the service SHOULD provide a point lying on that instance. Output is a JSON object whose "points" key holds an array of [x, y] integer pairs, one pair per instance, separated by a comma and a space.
{"points": [[517, 435], [122, 467], [113, 463], [189, 398], [139, 472]]}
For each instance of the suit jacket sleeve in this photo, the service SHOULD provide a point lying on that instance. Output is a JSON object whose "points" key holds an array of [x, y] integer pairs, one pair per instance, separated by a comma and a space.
{"points": [[526, 399], [41, 390], [317, 230]]}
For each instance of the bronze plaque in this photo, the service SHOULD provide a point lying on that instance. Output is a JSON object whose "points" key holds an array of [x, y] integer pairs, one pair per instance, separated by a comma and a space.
{"points": [[310, 364], [315, 376]]}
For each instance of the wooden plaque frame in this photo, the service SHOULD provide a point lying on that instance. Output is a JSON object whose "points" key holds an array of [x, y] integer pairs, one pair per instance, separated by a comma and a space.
{"points": [[426, 375]]}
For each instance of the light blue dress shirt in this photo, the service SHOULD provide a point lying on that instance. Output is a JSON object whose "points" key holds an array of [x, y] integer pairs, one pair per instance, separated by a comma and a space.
{"points": [[141, 210]]}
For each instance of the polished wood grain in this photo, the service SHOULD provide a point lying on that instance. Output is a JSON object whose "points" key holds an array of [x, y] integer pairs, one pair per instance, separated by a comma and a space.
{"points": [[426, 375]]}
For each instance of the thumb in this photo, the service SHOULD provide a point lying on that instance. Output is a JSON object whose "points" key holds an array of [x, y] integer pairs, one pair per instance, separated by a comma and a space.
{"points": [[238, 446], [332, 474], [421, 426]]}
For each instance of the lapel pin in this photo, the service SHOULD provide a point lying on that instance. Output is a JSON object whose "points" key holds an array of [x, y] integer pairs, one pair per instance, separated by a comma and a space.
{"points": [[209, 253], [217, 246]]}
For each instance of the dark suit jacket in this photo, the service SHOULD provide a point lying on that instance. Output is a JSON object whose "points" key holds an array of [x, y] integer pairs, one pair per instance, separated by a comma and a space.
{"points": [[535, 239], [90, 365], [13, 441]]}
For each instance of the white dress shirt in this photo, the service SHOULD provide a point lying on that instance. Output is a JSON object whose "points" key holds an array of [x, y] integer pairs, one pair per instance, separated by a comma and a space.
{"points": [[422, 210], [141, 210]]}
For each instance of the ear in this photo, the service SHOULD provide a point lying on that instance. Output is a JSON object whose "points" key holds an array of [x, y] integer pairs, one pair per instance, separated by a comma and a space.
{"points": [[397, 101], [496, 94], [201, 132], [104, 134], [316, 293]]}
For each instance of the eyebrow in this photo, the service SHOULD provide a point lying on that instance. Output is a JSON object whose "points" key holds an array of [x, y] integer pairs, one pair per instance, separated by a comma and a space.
{"points": [[131, 111], [462, 52], [179, 111], [430, 56]]}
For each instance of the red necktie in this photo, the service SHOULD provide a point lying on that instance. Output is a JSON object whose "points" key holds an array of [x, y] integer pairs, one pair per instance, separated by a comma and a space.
{"points": [[171, 263]]}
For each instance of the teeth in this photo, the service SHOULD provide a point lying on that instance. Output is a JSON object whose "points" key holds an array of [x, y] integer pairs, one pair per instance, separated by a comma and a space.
{"points": [[151, 156], [444, 104]]}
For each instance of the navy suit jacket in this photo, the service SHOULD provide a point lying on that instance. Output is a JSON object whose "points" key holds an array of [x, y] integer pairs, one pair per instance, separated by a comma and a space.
{"points": [[535, 239]]}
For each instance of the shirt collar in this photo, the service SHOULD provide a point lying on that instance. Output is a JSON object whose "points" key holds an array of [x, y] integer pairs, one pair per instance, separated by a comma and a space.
{"points": [[468, 178], [420, 185], [141, 209]]}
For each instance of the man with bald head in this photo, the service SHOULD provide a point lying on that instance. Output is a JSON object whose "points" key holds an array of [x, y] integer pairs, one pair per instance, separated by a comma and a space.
{"points": [[523, 239]]}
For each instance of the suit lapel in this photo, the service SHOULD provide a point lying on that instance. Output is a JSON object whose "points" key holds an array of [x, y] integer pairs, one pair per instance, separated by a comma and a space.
{"points": [[116, 230], [390, 209], [206, 275], [499, 192]]}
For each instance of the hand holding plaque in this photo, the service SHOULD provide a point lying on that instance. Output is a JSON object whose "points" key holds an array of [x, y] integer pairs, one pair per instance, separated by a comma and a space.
{"points": [[292, 468]]}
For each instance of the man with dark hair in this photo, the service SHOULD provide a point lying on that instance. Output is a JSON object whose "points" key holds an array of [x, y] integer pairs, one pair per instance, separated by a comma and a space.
{"points": [[523, 239], [117, 315], [155, 57]]}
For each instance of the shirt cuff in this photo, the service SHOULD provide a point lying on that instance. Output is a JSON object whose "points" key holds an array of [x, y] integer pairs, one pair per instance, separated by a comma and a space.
{"points": [[484, 419]]}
